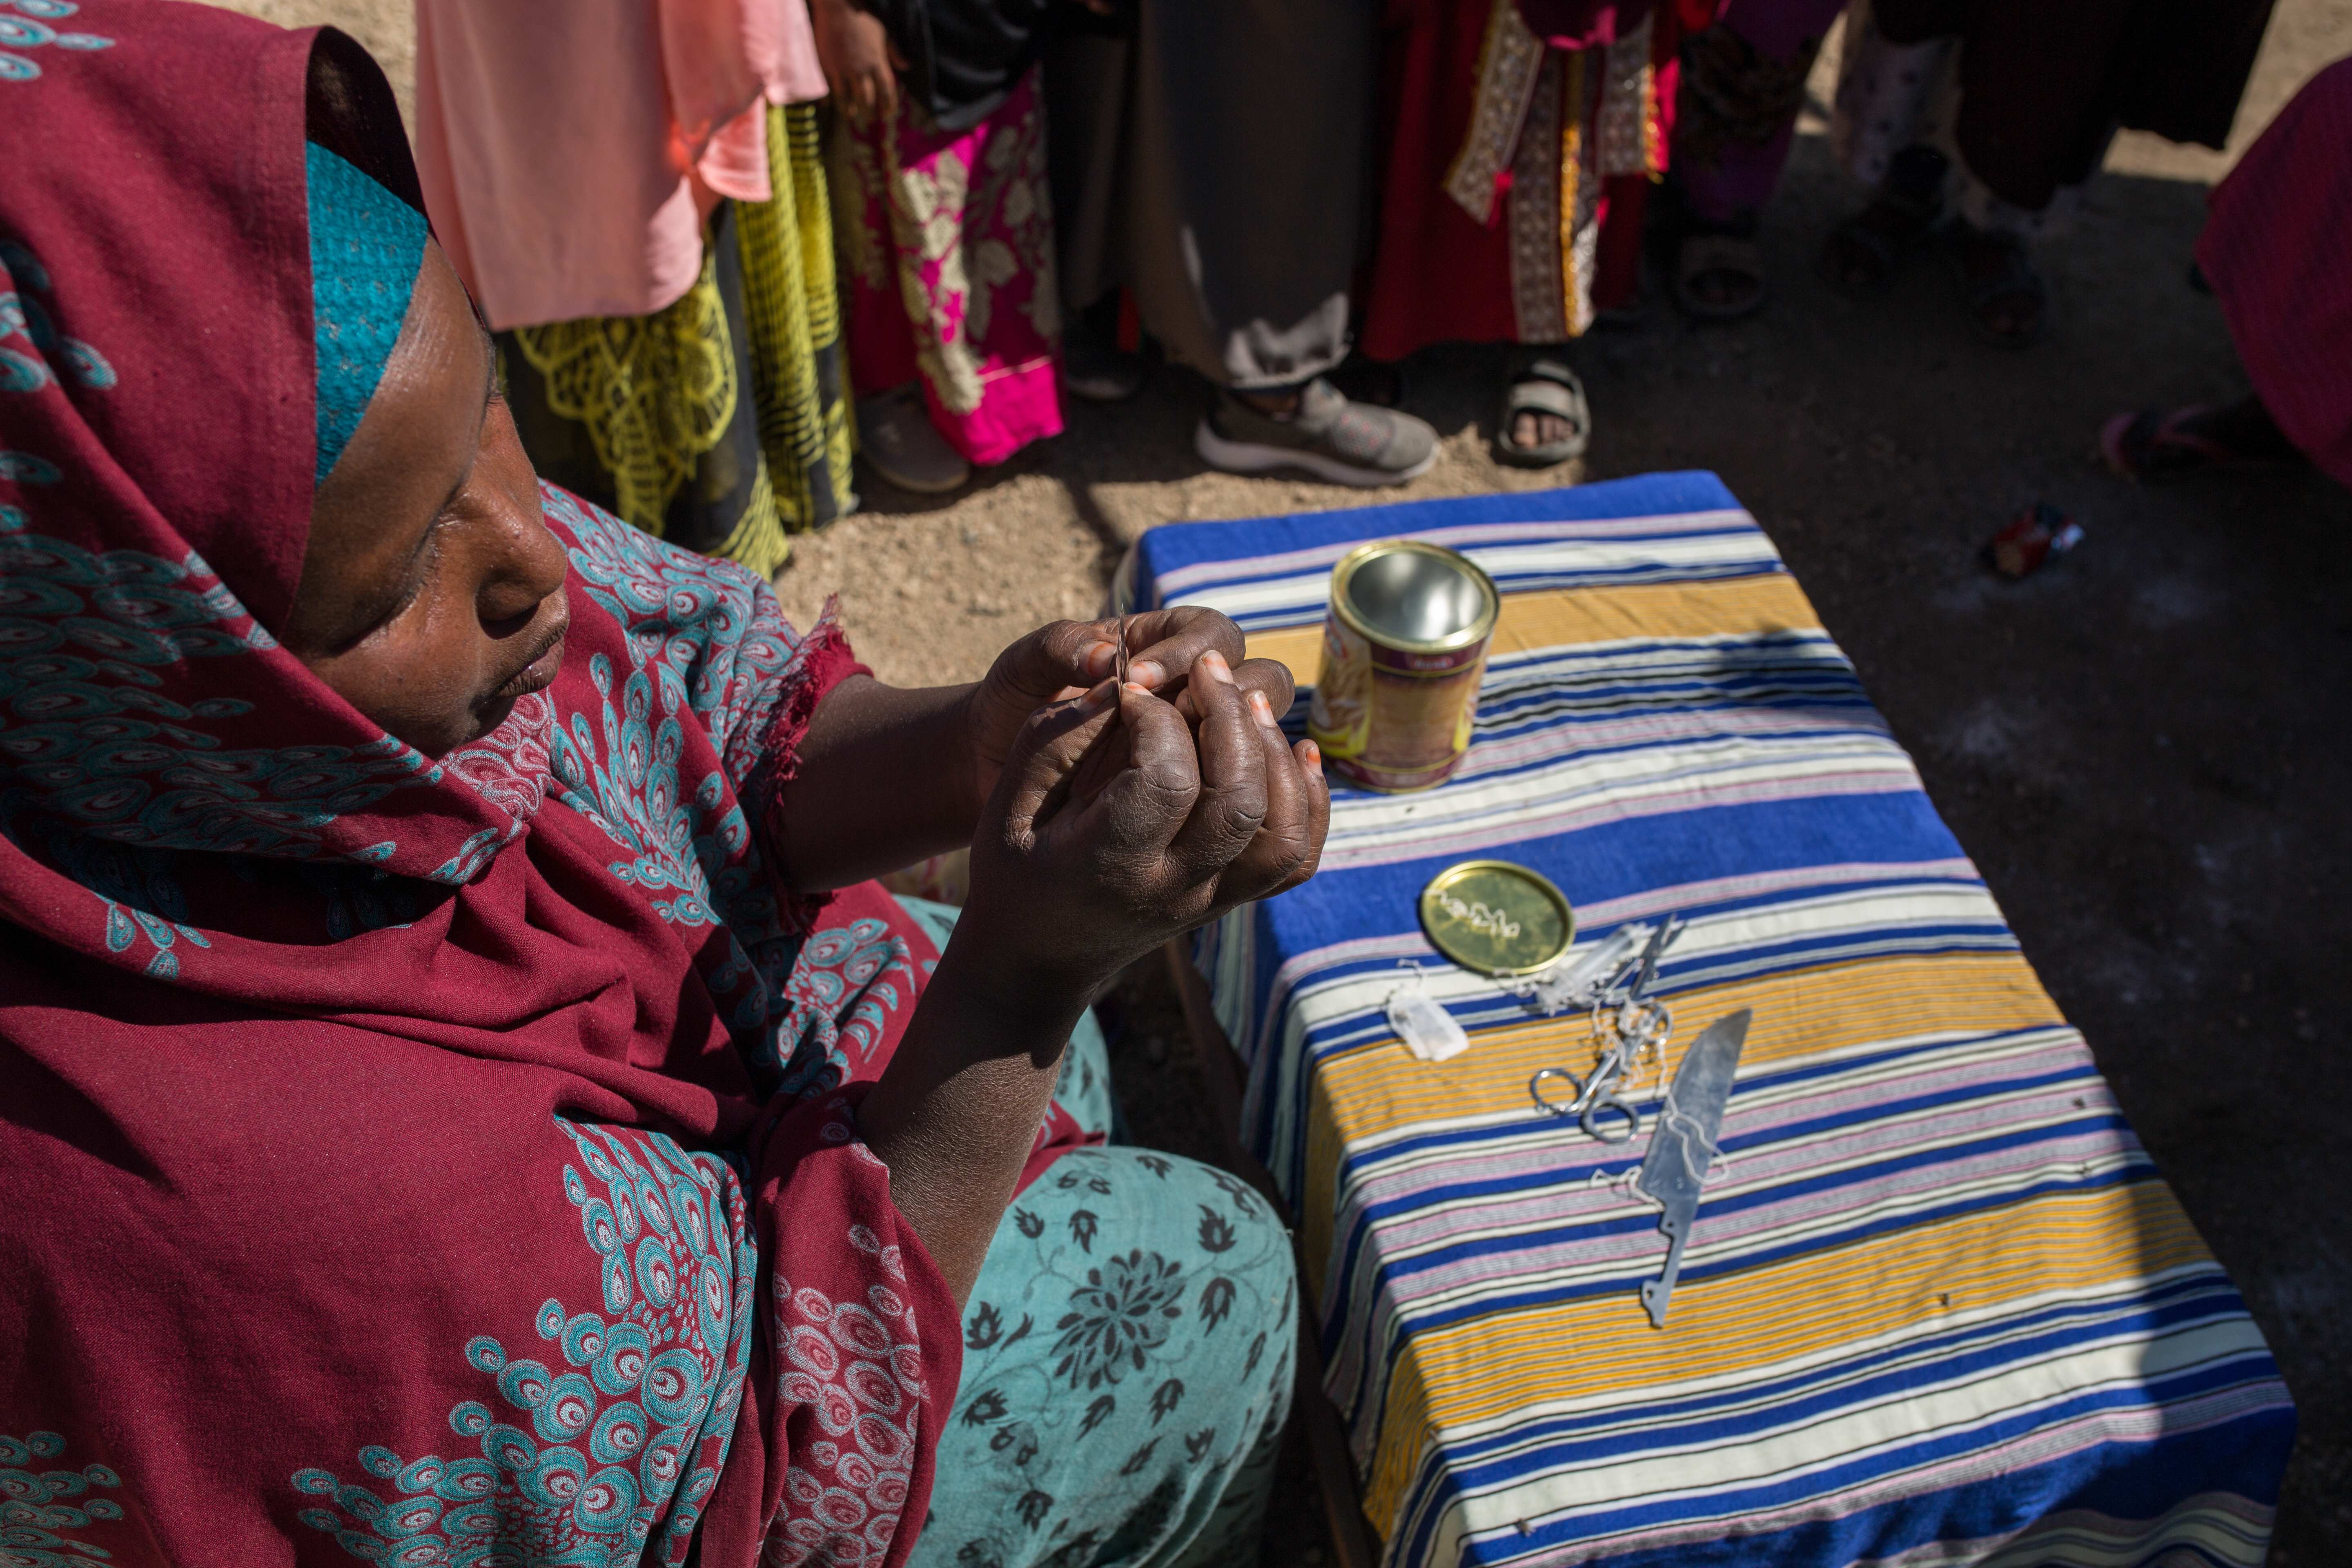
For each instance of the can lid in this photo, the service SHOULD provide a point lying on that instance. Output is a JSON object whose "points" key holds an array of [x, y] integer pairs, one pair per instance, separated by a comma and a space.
{"points": [[1495, 918], [1414, 596]]}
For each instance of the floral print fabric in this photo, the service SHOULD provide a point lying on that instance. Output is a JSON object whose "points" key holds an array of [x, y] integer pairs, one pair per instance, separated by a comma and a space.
{"points": [[947, 254], [1126, 1364]]}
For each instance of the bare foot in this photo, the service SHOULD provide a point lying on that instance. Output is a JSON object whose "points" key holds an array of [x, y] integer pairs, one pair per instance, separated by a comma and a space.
{"points": [[1280, 404], [1532, 429]]}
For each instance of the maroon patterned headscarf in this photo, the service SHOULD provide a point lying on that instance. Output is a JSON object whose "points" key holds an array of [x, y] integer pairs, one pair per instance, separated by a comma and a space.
{"points": [[403, 1159]]}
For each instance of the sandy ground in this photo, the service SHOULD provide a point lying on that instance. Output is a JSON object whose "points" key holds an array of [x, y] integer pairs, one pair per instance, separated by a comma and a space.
{"points": [[2147, 748]]}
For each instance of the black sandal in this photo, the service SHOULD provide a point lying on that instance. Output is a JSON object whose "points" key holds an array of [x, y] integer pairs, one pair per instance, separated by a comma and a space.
{"points": [[1546, 386], [2016, 280], [1702, 254]]}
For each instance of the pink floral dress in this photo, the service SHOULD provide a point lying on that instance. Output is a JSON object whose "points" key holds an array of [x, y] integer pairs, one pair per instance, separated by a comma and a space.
{"points": [[947, 254]]}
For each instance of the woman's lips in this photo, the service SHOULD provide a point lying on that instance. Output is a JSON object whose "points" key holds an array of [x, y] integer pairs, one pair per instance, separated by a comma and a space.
{"points": [[538, 674]]}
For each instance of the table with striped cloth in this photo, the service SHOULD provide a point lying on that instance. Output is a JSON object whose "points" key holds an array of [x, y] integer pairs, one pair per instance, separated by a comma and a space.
{"points": [[1937, 1305]]}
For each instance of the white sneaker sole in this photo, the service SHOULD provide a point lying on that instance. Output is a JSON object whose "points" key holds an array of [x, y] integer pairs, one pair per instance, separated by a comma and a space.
{"points": [[1249, 458]]}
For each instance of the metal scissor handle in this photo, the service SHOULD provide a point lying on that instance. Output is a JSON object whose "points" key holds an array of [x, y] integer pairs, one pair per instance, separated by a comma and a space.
{"points": [[1596, 1109], [1552, 1106], [1607, 1111]]}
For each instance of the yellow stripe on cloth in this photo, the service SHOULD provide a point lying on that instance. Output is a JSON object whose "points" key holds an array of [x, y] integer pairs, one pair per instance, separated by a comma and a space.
{"points": [[1370, 1093], [1561, 617], [1501, 1365]]}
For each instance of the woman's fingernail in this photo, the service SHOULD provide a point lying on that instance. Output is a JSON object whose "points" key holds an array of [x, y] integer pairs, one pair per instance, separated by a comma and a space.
{"points": [[1262, 708], [1101, 657], [1214, 663], [1312, 755], [1098, 698], [1146, 674]]}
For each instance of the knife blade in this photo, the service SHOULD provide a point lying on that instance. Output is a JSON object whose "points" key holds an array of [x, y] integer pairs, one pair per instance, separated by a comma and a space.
{"points": [[1683, 1145]]}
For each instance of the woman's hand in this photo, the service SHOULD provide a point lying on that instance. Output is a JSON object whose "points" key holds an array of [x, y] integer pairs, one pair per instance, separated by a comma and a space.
{"points": [[861, 65], [887, 776], [1113, 827], [1061, 661]]}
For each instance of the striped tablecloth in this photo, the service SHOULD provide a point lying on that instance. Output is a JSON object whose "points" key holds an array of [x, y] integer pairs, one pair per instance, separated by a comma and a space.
{"points": [[1937, 1305]]}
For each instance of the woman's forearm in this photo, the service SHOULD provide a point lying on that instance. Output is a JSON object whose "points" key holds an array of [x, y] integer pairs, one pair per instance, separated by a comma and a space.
{"points": [[886, 777], [957, 1110]]}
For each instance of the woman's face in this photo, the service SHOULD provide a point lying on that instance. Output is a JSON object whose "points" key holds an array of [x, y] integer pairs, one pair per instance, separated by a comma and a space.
{"points": [[432, 592]]}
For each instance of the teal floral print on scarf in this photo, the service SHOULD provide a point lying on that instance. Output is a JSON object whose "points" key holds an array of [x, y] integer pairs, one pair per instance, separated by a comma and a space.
{"points": [[607, 1449], [28, 28], [41, 1504]]}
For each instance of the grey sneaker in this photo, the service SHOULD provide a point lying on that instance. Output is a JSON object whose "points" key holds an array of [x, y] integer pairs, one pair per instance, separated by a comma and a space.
{"points": [[1330, 438]]}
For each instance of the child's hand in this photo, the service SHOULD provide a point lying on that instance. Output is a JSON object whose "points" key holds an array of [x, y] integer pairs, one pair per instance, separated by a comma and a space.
{"points": [[860, 63]]}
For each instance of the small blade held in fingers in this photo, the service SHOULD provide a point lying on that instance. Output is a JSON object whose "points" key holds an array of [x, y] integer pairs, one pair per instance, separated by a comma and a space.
{"points": [[1121, 655]]}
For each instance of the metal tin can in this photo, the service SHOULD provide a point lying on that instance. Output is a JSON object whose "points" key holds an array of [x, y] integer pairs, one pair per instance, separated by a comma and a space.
{"points": [[1404, 644]]}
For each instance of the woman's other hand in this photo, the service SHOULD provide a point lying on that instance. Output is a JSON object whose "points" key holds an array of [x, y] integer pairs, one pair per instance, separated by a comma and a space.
{"points": [[1062, 660], [860, 63], [1115, 826]]}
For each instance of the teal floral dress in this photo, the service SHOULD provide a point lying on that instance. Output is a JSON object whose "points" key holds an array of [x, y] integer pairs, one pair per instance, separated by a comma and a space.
{"points": [[1126, 1359]]}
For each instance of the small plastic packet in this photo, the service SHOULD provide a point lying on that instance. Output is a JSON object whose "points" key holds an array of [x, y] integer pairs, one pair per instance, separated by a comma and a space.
{"points": [[2035, 536], [1427, 1029]]}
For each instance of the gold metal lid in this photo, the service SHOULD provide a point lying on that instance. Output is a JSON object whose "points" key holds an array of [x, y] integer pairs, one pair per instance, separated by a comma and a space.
{"points": [[1414, 596], [1494, 917]]}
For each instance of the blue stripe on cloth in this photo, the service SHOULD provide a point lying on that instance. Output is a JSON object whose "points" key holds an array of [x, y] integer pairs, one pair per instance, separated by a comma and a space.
{"points": [[1163, 551]]}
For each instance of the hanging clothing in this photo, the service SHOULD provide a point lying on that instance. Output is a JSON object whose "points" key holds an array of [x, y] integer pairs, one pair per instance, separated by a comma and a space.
{"points": [[963, 56], [946, 246], [2274, 249], [1515, 169], [1211, 157], [637, 196], [561, 142], [1743, 83], [2041, 88], [406, 1158], [720, 422]]}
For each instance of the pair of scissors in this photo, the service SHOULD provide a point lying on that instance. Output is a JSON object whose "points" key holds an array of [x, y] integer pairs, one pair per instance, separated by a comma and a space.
{"points": [[1637, 1022]]}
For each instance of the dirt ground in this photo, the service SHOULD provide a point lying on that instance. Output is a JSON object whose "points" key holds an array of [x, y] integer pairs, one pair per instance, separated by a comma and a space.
{"points": [[2148, 748]]}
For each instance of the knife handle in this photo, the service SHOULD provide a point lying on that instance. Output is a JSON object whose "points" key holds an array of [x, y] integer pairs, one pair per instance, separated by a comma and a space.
{"points": [[1655, 1293]]}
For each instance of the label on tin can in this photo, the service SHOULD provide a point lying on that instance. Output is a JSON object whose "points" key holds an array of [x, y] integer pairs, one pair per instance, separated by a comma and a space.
{"points": [[1390, 719], [1341, 713]]}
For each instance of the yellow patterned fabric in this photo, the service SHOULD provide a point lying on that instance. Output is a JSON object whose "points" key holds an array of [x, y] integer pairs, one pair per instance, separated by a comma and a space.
{"points": [[793, 307], [657, 393]]}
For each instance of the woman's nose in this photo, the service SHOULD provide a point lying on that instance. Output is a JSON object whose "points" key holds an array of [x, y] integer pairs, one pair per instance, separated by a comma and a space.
{"points": [[531, 567]]}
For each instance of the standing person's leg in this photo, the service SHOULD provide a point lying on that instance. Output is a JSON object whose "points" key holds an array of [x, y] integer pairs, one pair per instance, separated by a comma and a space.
{"points": [[1248, 143], [1743, 82], [950, 232], [1089, 83], [1880, 133]]}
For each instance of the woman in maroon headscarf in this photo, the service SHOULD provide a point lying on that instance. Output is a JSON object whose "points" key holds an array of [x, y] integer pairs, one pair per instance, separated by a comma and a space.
{"points": [[444, 1117]]}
